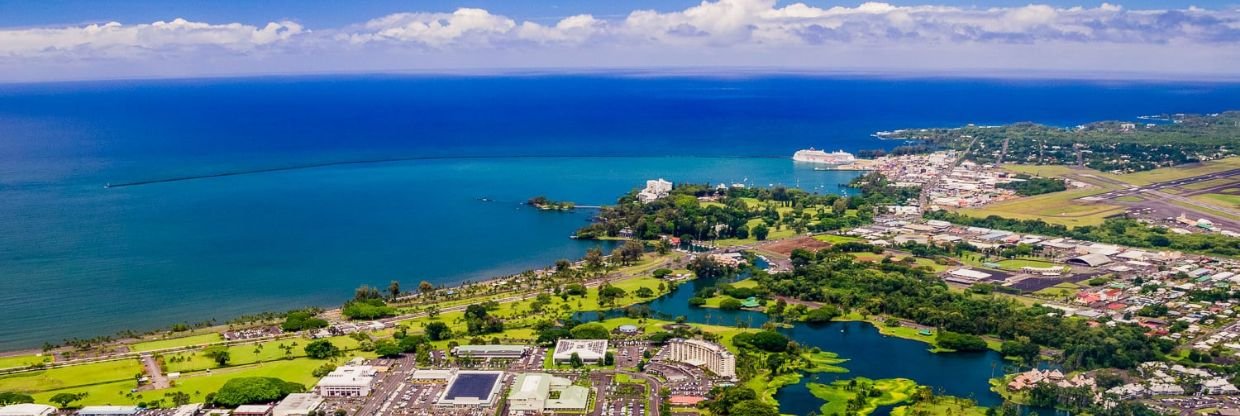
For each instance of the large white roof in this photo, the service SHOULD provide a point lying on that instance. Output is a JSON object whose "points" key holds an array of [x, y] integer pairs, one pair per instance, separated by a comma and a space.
{"points": [[27, 409]]}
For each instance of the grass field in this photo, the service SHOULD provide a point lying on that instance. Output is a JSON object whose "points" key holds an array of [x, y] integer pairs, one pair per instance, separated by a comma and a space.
{"points": [[1222, 200], [942, 406], [837, 394], [835, 239], [1059, 291], [1055, 208], [1180, 172], [1017, 264], [196, 385], [22, 361], [71, 376], [1207, 184], [176, 342]]}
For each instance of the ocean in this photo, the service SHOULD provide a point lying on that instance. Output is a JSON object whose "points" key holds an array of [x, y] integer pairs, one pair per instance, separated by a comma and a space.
{"points": [[451, 160]]}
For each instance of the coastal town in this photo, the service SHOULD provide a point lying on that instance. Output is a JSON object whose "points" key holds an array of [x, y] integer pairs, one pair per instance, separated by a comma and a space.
{"points": [[636, 364]]}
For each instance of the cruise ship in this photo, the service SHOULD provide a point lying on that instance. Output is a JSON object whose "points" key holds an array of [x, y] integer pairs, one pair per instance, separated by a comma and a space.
{"points": [[811, 155]]}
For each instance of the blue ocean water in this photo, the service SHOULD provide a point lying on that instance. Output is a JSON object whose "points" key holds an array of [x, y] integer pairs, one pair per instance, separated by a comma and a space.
{"points": [[78, 260]]}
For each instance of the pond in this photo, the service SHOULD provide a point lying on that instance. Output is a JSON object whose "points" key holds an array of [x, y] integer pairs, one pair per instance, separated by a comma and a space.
{"points": [[870, 354]]}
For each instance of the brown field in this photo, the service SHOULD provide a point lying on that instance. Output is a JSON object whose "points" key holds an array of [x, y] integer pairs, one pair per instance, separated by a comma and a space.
{"points": [[784, 247]]}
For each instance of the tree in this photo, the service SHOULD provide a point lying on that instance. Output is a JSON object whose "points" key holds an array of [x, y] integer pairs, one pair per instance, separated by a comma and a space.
{"points": [[302, 320], [365, 292], [438, 331], [594, 258], [575, 361], [697, 301], [760, 231], [387, 348], [730, 304], [367, 309], [250, 390], [609, 358], [219, 354], [592, 330], [753, 408], [631, 251], [179, 398], [425, 287], [63, 399], [8, 397], [822, 315], [394, 289], [321, 349], [644, 292]]}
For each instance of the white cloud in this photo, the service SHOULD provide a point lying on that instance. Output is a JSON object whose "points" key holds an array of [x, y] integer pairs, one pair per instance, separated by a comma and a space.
{"points": [[713, 32], [114, 38]]}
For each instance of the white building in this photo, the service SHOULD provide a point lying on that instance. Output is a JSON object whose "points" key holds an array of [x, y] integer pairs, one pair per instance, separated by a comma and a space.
{"points": [[531, 394], [655, 189], [108, 411], [347, 381], [298, 404], [708, 355], [591, 351], [472, 389], [27, 409]]}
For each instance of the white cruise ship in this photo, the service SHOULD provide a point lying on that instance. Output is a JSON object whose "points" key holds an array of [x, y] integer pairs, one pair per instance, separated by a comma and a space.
{"points": [[811, 155]]}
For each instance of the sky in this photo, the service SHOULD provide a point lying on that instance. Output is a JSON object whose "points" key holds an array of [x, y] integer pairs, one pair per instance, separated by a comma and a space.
{"points": [[53, 40]]}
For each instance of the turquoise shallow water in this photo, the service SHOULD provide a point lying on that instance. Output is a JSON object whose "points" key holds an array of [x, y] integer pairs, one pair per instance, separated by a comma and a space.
{"points": [[101, 260]]}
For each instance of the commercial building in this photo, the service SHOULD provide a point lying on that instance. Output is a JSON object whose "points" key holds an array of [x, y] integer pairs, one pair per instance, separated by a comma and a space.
{"points": [[431, 376], [708, 355], [298, 404], [27, 409], [491, 351], [532, 394], [655, 189], [591, 351], [108, 411], [472, 389], [253, 410], [347, 381]]}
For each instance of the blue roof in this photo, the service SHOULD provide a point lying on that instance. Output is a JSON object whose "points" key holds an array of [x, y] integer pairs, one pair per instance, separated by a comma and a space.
{"points": [[476, 385]]}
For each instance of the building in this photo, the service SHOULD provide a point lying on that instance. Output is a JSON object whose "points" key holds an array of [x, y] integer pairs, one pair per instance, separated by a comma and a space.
{"points": [[531, 393], [430, 376], [708, 355], [108, 411], [347, 381], [491, 351], [253, 410], [655, 189], [591, 351], [1090, 260], [298, 404], [27, 409], [472, 389], [191, 409]]}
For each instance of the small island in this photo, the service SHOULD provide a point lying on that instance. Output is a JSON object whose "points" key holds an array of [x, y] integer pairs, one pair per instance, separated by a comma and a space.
{"points": [[546, 204]]}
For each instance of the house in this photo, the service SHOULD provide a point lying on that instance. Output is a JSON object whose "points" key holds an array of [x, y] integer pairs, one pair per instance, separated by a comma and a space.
{"points": [[655, 189]]}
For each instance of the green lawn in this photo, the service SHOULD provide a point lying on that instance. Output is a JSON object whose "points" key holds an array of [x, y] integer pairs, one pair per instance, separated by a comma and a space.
{"points": [[1017, 264], [942, 406], [1055, 208], [1222, 200], [71, 376], [176, 342], [837, 394], [835, 239], [23, 361], [197, 385]]}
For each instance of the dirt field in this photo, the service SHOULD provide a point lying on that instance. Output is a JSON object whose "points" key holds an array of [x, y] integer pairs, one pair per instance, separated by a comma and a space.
{"points": [[784, 247]]}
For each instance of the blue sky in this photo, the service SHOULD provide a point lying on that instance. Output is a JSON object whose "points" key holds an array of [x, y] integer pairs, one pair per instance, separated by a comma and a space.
{"points": [[337, 13], [85, 39]]}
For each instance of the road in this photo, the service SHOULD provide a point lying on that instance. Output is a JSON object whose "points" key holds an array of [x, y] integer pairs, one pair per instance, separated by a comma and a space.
{"points": [[386, 388], [158, 380], [1156, 200]]}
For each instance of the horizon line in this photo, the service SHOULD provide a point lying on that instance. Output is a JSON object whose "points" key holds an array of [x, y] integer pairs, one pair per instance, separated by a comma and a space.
{"points": [[693, 72]]}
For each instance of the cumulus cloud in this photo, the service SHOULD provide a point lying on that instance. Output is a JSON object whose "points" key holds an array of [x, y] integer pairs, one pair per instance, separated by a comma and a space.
{"points": [[725, 32], [114, 38], [724, 23]]}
